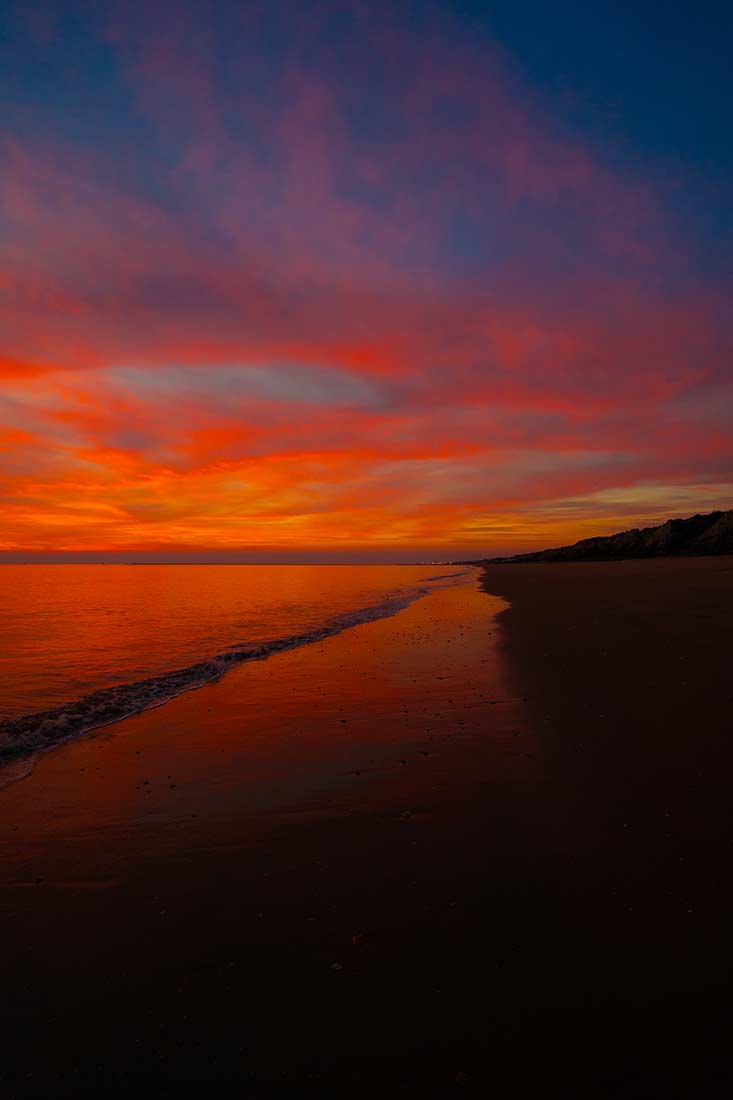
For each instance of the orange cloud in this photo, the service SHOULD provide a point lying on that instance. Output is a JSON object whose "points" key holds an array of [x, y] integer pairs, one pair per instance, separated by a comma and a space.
{"points": [[317, 310]]}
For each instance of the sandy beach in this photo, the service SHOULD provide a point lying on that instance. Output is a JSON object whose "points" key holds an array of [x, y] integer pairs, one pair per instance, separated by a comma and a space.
{"points": [[366, 555], [481, 844]]}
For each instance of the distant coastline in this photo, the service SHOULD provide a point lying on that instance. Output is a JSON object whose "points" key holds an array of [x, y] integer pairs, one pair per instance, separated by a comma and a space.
{"points": [[696, 535]]}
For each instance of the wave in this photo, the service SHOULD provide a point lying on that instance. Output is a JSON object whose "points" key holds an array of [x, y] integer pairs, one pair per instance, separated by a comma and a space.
{"points": [[31, 733], [446, 576]]}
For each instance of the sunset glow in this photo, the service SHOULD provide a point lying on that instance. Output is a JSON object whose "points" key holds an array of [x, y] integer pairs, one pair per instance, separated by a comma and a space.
{"points": [[279, 287]]}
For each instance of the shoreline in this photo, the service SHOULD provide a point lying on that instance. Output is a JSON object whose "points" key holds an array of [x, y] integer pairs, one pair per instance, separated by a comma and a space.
{"points": [[25, 736], [259, 861], [397, 856]]}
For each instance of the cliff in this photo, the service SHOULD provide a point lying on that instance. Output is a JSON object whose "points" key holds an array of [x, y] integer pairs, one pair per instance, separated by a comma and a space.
{"points": [[708, 534]]}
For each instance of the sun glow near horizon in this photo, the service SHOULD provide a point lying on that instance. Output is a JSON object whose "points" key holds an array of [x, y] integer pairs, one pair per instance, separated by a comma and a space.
{"points": [[357, 286]]}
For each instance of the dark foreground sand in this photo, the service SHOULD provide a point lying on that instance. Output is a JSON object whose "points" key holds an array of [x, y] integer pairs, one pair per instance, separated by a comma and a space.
{"points": [[441, 853]]}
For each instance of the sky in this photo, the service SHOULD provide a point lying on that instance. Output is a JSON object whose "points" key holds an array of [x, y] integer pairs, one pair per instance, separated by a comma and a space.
{"points": [[355, 281]]}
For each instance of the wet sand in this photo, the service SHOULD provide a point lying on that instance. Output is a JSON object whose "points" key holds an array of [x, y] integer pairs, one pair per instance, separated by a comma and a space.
{"points": [[400, 859], [268, 882]]}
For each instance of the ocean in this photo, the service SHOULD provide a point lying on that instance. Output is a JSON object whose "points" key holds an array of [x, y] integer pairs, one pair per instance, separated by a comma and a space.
{"points": [[85, 645]]}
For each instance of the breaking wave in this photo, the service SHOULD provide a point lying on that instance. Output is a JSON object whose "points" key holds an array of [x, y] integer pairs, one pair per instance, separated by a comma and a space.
{"points": [[31, 733]]}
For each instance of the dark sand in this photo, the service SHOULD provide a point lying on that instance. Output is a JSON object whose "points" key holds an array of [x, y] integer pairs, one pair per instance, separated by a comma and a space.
{"points": [[628, 675], [369, 866]]}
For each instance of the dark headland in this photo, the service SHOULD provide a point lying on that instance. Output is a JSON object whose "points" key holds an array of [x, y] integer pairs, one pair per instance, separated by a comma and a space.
{"points": [[698, 534]]}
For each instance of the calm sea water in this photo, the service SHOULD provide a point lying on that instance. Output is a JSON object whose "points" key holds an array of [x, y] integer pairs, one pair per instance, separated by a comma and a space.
{"points": [[141, 634]]}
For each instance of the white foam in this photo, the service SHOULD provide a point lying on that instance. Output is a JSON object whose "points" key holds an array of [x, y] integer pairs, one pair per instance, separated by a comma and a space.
{"points": [[32, 733]]}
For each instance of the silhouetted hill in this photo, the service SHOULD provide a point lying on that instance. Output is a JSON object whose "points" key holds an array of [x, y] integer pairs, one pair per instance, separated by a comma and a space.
{"points": [[709, 534]]}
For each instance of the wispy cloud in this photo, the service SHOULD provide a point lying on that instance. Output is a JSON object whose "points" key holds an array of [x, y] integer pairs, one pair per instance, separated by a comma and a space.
{"points": [[335, 282]]}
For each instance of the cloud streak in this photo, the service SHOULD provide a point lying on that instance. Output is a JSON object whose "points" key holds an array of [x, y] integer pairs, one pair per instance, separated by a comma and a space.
{"points": [[337, 282]]}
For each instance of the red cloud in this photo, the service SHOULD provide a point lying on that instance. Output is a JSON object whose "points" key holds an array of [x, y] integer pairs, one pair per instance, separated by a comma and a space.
{"points": [[508, 321]]}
